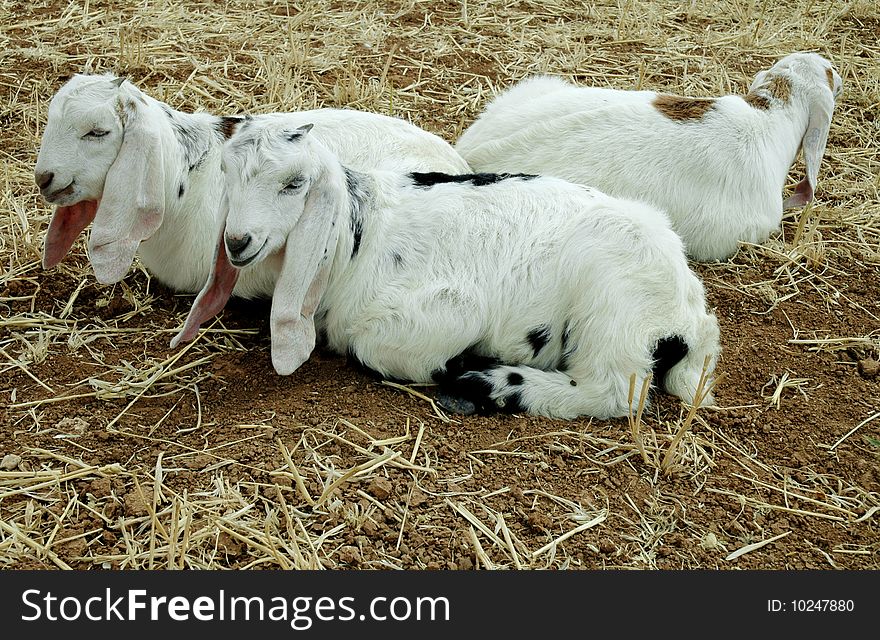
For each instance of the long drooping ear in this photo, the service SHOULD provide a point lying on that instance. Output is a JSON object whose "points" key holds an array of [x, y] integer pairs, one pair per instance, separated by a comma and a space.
{"points": [[217, 290], [64, 228], [304, 275], [133, 202], [813, 144]]}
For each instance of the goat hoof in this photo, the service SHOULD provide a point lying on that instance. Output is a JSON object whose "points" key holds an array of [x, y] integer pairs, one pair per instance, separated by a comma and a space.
{"points": [[453, 404]]}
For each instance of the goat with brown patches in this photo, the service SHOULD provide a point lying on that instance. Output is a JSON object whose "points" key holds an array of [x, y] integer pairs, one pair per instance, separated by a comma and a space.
{"points": [[717, 166]]}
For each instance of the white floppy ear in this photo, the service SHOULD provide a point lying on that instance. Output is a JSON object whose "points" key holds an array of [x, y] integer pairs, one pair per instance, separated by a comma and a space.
{"points": [[813, 144], [302, 281], [217, 290], [133, 202]]}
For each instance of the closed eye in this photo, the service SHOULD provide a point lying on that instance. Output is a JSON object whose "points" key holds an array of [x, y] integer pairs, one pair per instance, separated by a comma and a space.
{"points": [[293, 185], [96, 133]]}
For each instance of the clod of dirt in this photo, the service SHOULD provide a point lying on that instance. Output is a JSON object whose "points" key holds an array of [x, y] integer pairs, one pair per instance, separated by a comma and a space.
{"points": [[77, 546], [380, 488], [135, 504], [868, 368], [100, 487], [710, 542], [417, 497], [606, 547], [117, 306], [14, 287], [349, 555], [10, 462], [72, 425], [539, 521], [229, 545]]}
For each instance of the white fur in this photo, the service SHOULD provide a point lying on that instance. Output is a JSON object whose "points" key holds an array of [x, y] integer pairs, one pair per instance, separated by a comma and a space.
{"points": [[720, 178], [138, 168], [443, 269]]}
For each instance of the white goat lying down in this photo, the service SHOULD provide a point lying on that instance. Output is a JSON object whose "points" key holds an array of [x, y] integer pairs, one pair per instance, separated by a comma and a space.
{"points": [[512, 292], [149, 176], [717, 166]]}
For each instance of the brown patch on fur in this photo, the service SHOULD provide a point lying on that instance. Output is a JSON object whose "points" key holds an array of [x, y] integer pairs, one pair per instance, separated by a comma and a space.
{"points": [[774, 89], [830, 75], [780, 88], [757, 102], [681, 108], [227, 125]]}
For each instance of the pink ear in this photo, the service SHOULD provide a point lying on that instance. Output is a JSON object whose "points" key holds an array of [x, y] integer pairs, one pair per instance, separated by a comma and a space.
{"points": [[813, 145], [64, 228], [803, 193], [213, 296]]}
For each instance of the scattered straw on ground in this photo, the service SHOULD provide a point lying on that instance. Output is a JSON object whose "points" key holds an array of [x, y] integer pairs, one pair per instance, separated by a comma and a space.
{"points": [[125, 455]]}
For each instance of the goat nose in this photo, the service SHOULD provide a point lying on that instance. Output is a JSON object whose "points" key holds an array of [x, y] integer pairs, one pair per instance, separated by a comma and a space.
{"points": [[44, 179], [237, 244]]}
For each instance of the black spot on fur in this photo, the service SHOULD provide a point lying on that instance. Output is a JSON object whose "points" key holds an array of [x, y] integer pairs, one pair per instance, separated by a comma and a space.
{"points": [[667, 354], [475, 389], [194, 138], [198, 163], [397, 259], [566, 335], [226, 125], [467, 360], [566, 347], [293, 136], [513, 403], [464, 387], [181, 190], [357, 229], [357, 195], [431, 178], [538, 338]]}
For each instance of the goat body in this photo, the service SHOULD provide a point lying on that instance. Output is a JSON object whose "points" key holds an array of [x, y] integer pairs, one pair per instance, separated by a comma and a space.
{"points": [[717, 166], [149, 176], [513, 292]]}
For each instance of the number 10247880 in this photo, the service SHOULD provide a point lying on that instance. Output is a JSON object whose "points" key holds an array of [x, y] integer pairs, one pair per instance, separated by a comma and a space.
{"points": [[810, 606]]}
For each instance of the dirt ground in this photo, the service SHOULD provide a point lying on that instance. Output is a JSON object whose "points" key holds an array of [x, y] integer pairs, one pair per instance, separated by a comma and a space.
{"points": [[121, 453]]}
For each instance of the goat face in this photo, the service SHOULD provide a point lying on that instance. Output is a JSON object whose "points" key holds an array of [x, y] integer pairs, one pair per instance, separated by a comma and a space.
{"points": [[268, 177], [818, 85], [806, 71], [80, 142]]}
